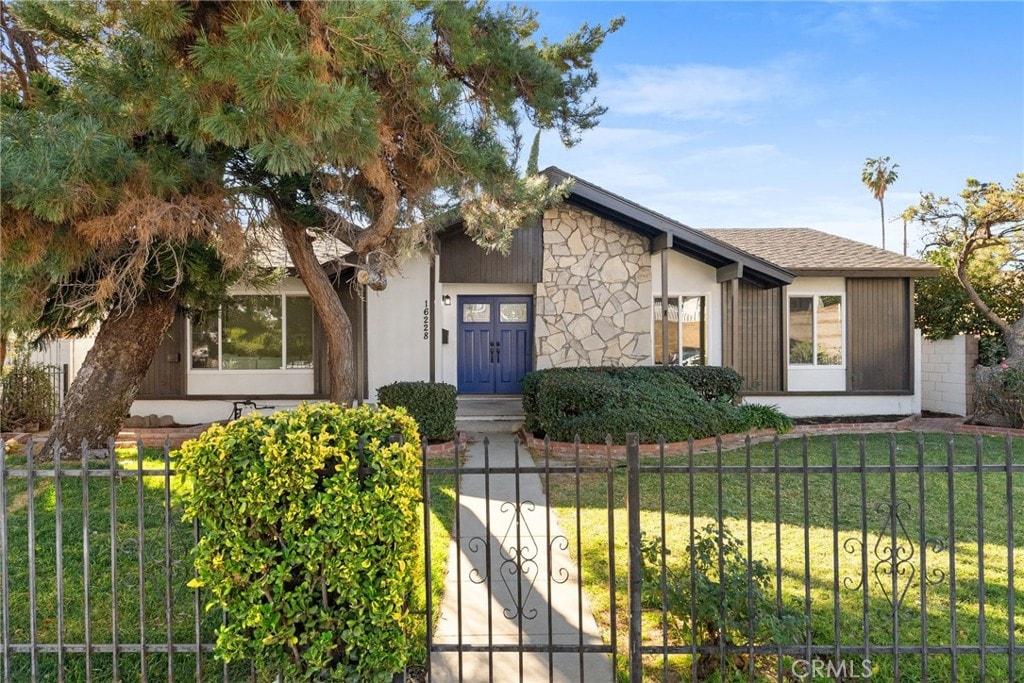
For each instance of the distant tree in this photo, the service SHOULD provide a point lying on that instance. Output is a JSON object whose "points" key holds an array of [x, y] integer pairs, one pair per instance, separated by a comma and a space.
{"points": [[943, 309], [979, 240], [878, 175]]}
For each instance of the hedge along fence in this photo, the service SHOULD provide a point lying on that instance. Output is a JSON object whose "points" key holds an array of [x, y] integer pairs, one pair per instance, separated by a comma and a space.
{"points": [[431, 404], [310, 538], [656, 402]]}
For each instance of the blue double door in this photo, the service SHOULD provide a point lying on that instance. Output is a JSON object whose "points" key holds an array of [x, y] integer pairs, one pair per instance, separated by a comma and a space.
{"points": [[495, 343]]}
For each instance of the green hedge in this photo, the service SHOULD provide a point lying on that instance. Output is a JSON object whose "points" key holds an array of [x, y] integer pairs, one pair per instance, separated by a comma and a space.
{"points": [[312, 557], [431, 404], [653, 401]]}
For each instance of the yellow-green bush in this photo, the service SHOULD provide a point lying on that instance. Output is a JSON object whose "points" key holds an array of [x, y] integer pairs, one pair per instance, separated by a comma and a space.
{"points": [[309, 538]]}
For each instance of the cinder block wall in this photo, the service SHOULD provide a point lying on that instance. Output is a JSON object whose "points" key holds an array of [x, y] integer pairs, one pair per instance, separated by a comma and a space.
{"points": [[947, 374]]}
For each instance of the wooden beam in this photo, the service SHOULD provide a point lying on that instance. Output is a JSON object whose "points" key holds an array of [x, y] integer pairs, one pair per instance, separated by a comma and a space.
{"points": [[733, 271], [661, 242], [666, 355]]}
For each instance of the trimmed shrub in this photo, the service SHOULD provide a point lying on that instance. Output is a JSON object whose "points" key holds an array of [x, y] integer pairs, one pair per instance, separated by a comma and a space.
{"points": [[711, 383], [310, 536], [431, 404], [26, 396], [653, 401]]}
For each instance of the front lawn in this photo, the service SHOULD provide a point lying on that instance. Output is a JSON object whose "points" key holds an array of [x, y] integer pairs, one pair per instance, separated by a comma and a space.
{"points": [[810, 563], [161, 570]]}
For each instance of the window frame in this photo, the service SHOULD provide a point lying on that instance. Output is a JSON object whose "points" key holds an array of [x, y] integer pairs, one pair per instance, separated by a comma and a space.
{"points": [[815, 298], [282, 298], [705, 324]]}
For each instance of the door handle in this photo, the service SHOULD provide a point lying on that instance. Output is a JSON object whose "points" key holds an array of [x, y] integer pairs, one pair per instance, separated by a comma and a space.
{"points": [[497, 352], [490, 352]]}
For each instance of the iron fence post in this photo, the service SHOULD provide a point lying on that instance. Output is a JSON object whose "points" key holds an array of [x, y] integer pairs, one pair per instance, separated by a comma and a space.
{"points": [[635, 558]]}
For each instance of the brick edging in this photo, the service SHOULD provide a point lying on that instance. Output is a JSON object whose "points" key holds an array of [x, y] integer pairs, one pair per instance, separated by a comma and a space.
{"points": [[988, 431], [756, 436]]}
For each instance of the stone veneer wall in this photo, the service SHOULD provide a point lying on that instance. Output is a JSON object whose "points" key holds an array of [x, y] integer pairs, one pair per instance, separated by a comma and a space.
{"points": [[594, 303]]}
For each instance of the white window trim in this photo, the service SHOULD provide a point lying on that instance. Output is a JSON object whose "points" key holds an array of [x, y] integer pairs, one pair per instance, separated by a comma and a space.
{"points": [[814, 329], [220, 340], [707, 322]]}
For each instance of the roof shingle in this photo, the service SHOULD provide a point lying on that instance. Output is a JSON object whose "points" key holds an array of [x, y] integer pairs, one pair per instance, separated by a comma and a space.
{"points": [[806, 251]]}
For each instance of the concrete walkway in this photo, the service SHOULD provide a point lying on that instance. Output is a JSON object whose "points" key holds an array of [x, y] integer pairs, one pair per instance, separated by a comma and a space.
{"points": [[514, 590]]}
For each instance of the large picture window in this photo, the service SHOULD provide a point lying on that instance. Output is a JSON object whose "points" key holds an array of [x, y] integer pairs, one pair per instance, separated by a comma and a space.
{"points": [[686, 326], [816, 330], [255, 332]]}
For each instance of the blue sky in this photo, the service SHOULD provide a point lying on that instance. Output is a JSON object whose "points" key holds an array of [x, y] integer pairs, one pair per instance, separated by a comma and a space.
{"points": [[756, 114]]}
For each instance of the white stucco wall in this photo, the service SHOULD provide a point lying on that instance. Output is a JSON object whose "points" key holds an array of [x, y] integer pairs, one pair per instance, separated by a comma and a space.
{"points": [[817, 378], [946, 374], [689, 277], [397, 328], [837, 405], [448, 319], [70, 352], [203, 412]]}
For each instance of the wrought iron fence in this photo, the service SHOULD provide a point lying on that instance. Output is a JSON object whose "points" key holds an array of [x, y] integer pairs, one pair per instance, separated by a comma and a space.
{"points": [[94, 571], [892, 558], [880, 556]]}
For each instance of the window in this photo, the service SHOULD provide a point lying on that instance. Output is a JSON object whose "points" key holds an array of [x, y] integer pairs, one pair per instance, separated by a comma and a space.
{"points": [[476, 313], [686, 327], [816, 330], [255, 332]]}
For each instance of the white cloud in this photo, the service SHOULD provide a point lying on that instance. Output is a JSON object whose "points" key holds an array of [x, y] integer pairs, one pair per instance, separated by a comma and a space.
{"points": [[858, 23], [745, 153], [697, 91]]}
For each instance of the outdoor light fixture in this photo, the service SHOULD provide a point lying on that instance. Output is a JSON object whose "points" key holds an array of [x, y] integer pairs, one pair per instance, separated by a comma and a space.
{"points": [[447, 299]]}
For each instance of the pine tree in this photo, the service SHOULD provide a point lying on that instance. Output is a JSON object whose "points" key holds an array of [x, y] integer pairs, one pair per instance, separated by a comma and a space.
{"points": [[151, 122], [105, 221], [366, 120]]}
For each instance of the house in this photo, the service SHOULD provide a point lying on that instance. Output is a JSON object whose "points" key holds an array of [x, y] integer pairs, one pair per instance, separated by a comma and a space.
{"points": [[817, 324]]}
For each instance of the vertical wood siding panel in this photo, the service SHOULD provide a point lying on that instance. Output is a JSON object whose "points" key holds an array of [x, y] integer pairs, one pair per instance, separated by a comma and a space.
{"points": [[166, 375], [879, 334], [462, 261], [756, 351]]}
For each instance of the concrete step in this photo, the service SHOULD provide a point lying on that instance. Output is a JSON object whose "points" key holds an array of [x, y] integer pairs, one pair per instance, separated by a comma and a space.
{"points": [[489, 426], [489, 407]]}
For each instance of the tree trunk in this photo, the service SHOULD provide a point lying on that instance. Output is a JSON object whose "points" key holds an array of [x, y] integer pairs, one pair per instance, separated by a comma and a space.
{"points": [[337, 326], [881, 206], [105, 386], [1014, 336]]}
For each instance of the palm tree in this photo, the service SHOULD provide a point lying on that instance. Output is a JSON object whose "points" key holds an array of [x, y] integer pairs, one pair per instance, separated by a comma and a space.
{"points": [[878, 175]]}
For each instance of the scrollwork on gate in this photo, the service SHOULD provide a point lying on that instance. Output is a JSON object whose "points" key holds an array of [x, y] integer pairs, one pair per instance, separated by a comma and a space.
{"points": [[518, 555], [893, 553]]}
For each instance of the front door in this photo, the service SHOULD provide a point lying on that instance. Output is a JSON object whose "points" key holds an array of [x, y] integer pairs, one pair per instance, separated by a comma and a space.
{"points": [[495, 343]]}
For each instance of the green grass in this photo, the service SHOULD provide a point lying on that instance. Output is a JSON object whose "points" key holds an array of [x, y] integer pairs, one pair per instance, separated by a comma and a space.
{"points": [[154, 567], [442, 516], [821, 537]]}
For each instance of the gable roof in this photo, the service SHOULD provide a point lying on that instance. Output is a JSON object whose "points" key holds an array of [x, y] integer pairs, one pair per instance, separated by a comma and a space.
{"points": [[699, 245], [809, 252]]}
